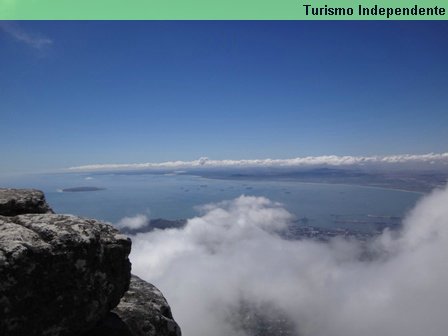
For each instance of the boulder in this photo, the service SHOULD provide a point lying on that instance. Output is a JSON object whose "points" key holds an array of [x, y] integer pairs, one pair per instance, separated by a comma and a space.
{"points": [[22, 201], [60, 274], [143, 311]]}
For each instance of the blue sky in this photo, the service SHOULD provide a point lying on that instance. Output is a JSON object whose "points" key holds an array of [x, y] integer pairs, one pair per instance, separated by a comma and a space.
{"points": [[77, 93]]}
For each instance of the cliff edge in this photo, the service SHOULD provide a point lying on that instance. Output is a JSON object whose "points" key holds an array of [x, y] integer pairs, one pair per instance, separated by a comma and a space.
{"points": [[62, 275]]}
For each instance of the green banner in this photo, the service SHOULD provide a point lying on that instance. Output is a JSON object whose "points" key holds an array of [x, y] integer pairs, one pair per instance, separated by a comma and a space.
{"points": [[223, 10]]}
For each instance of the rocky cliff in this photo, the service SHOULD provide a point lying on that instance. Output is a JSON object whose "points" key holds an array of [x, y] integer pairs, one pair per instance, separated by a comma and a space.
{"points": [[15, 202], [63, 275]]}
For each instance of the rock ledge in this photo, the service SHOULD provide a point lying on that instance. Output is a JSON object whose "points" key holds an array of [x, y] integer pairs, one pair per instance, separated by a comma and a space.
{"points": [[60, 274], [15, 202], [63, 275]]}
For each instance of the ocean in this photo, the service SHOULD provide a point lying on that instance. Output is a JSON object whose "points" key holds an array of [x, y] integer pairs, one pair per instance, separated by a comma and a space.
{"points": [[172, 196]]}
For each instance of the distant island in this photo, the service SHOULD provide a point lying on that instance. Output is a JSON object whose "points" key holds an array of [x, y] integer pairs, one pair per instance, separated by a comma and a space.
{"points": [[78, 189]]}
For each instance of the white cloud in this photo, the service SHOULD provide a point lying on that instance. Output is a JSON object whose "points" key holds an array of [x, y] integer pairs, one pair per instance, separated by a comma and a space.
{"points": [[31, 39], [309, 161], [133, 223], [232, 254]]}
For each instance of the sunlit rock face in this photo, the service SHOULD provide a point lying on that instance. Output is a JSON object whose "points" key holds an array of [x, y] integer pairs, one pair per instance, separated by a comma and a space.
{"points": [[63, 275], [60, 273], [22, 201]]}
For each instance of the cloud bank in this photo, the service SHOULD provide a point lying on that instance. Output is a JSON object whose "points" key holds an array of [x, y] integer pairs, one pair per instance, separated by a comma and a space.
{"points": [[134, 223], [309, 161], [228, 270]]}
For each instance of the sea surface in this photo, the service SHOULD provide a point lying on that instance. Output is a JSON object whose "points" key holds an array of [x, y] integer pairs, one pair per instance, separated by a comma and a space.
{"points": [[173, 196]]}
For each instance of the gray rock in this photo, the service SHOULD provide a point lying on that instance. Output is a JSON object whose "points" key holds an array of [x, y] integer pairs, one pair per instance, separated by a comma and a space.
{"points": [[143, 311], [60, 274], [22, 201]]}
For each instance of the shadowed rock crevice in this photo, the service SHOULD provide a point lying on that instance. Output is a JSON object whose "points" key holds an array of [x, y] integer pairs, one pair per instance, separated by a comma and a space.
{"points": [[111, 325]]}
